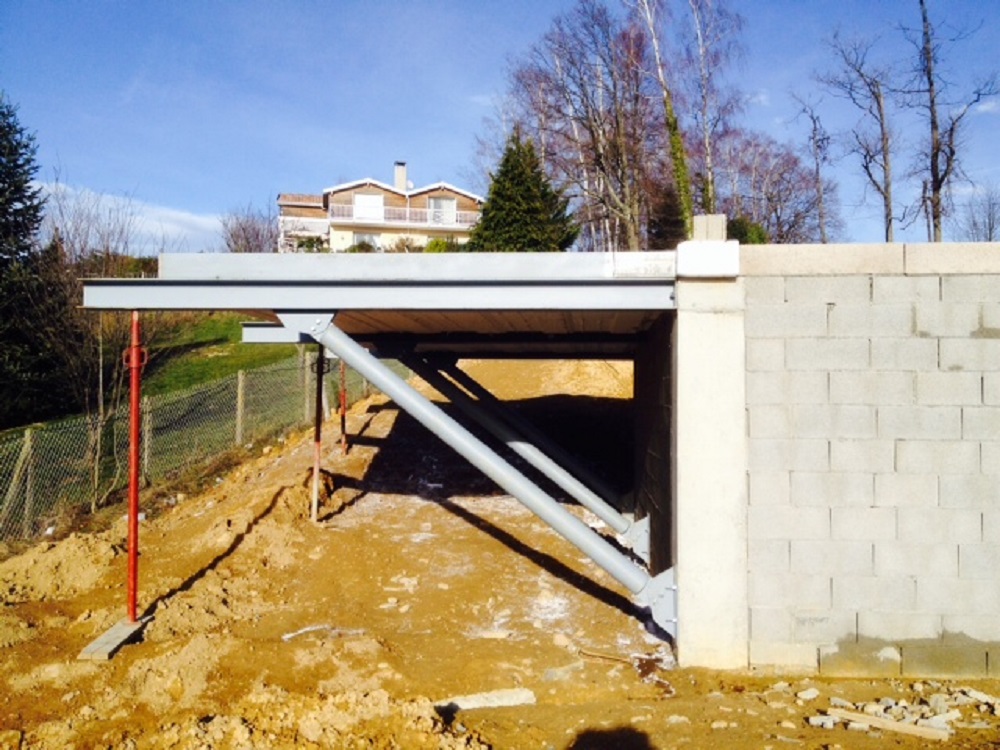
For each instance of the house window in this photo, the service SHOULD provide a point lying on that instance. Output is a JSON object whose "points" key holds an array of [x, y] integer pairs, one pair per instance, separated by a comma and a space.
{"points": [[369, 207], [442, 210]]}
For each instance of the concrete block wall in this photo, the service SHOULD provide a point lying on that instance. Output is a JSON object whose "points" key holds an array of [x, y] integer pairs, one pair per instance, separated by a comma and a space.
{"points": [[873, 466]]}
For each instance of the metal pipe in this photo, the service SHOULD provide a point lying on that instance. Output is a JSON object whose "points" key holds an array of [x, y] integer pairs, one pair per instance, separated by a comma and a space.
{"points": [[478, 453], [530, 453], [343, 406], [552, 449], [134, 361], [317, 433]]}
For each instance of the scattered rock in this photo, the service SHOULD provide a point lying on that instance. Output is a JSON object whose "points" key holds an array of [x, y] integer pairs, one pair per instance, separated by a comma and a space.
{"points": [[808, 694]]}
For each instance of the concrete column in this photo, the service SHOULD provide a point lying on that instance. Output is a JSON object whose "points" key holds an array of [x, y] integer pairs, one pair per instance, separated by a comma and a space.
{"points": [[710, 458]]}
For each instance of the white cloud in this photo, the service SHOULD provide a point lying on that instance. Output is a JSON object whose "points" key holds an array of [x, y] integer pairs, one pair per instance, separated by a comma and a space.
{"points": [[990, 106], [150, 228], [760, 98]]}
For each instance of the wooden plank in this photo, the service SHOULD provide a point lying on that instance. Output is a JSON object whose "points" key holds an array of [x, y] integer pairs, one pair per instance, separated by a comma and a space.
{"points": [[890, 725], [105, 645]]}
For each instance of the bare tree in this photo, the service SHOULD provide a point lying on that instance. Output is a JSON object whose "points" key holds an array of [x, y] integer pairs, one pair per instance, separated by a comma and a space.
{"points": [[651, 13], [979, 217], [819, 155], [928, 93], [251, 230], [867, 86], [583, 96], [767, 183]]}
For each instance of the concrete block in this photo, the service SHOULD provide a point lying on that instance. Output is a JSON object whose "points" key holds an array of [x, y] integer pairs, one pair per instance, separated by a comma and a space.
{"points": [[766, 454], [865, 659], [926, 258], [990, 458], [979, 626], [939, 525], [949, 388], [769, 290], [898, 626], [970, 354], [788, 522], [787, 387], [789, 590], [906, 490], [868, 320], [770, 488], [946, 319], [828, 354], [822, 260], [828, 289], [832, 557], [991, 388], [865, 456], [979, 560], [970, 288], [894, 558], [887, 289], [904, 354], [710, 295], [920, 422], [937, 456], [944, 661], [770, 421], [958, 596], [863, 523], [991, 526], [874, 387], [708, 259], [839, 420], [969, 490], [765, 355], [882, 593], [771, 624], [832, 489], [768, 555], [784, 657], [981, 423], [990, 316], [785, 321], [824, 626]]}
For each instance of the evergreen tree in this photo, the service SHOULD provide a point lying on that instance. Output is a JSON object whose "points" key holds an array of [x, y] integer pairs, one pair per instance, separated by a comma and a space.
{"points": [[20, 201], [523, 212], [28, 379]]}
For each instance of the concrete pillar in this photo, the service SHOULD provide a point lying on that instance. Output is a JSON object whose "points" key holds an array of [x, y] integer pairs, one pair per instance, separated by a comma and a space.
{"points": [[710, 457]]}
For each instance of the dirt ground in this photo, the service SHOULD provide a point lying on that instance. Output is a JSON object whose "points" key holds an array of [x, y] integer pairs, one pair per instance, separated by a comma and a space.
{"points": [[421, 583]]}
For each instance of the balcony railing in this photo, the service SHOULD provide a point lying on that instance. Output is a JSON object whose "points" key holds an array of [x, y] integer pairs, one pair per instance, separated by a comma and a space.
{"points": [[408, 216]]}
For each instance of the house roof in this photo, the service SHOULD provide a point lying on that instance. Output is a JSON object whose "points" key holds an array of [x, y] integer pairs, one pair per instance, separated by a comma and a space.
{"points": [[300, 199], [405, 193]]}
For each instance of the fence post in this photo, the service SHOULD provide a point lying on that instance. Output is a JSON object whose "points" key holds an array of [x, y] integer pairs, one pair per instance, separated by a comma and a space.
{"points": [[10, 498], [305, 388], [29, 500], [97, 427], [241, 385]]}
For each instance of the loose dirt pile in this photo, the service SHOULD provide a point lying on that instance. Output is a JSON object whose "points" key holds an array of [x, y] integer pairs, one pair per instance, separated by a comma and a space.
{"points": [[422, 605]]}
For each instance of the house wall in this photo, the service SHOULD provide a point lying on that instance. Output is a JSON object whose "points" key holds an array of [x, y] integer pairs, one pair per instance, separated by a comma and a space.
{"points": [[873, 458]]}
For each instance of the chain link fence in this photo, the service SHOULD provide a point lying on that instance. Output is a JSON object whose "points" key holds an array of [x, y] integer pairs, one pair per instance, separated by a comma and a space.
{"points": [[52, 474]]}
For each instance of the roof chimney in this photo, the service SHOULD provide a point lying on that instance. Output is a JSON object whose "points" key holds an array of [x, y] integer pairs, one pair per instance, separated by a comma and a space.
{"points": [[399, 180]]}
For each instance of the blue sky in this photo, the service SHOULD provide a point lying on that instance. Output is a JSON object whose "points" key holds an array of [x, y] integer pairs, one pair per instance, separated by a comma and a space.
{"points": [[197, 108]]}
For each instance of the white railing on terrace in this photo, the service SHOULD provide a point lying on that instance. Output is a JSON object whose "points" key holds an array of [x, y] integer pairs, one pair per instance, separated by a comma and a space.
{"points": [[413, 216]]}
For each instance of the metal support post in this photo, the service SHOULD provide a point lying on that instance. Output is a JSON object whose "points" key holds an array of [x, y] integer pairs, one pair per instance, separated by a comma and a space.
{"points": [[317, 431], [343, 406], [135, 358]]}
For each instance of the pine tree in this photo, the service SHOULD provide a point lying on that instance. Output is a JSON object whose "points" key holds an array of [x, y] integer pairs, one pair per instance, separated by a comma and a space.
{"points": [[522, 212], [20, 201], [29, 387]]}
